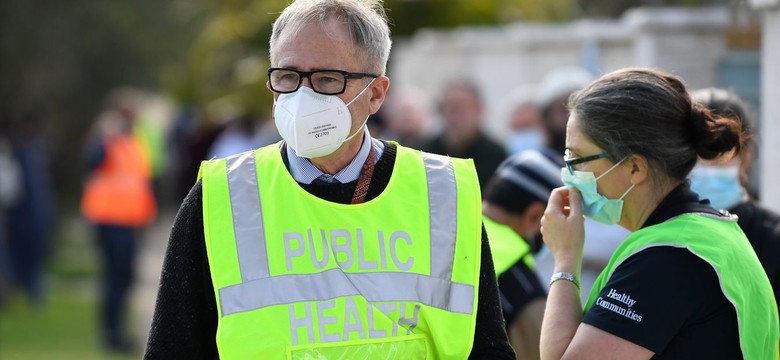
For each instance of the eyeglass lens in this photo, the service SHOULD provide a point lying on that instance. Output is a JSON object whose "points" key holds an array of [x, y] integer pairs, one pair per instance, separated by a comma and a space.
{"points": [[325, 82]]}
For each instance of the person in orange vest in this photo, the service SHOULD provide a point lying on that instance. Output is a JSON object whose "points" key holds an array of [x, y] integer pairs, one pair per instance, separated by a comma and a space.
{"points": [[118, 199]]}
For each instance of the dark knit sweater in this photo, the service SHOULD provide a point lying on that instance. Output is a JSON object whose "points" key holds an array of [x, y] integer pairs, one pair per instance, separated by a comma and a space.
{"points": [[185, 317]]}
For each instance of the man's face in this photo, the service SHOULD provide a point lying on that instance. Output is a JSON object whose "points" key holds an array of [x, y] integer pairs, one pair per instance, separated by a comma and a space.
{"points": [[460, 109], [330, 47], [559, 115]]}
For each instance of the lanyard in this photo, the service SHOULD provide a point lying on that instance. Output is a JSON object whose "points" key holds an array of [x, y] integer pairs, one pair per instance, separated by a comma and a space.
{"points": [[365, 177], [361, 189]]}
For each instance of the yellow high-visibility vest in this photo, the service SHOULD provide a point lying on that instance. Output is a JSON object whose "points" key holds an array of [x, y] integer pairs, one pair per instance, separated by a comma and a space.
{"points": [[722, 244], [506, 246], [299, 277]]}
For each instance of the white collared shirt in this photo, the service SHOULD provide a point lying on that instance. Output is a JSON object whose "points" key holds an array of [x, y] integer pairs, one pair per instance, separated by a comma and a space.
{"points": [[303, 171]]}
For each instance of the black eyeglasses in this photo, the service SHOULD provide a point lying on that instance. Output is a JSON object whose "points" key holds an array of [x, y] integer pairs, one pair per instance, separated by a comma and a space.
{"points": [[326, 82], [570, 161]]}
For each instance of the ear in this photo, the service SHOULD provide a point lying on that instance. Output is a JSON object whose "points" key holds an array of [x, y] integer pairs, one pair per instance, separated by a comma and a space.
{"points": [[378, 93], [531, 221], [639, 169]]}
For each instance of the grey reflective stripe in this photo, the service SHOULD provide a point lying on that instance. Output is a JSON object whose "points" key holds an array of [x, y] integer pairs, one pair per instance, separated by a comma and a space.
{"points": [[247, 216], [254, 292], [333, 283], [443, 203]]}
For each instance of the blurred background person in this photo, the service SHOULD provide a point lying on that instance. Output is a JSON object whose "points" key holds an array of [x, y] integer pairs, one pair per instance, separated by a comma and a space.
{"points": [[31, 218], [10, 189], [406, 116], [191, 138], [554, 90], [514, 201], [243, 133], [725, 183], [118, 200], [526, 128], [461, 110]]}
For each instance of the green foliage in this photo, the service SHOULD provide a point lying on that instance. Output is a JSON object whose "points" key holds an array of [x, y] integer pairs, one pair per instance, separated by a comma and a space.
{"points": [[58, 59], [409, 15], [227, 61]]}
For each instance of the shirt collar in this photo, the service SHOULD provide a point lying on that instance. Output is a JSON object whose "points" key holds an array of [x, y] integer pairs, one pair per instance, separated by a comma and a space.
{"points": [[303, 171], [681, 200]]}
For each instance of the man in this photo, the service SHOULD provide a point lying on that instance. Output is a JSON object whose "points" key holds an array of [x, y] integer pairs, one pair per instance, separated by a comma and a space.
{"points": [[526, 128], [268, 259], [513, 205], [462, 111], [554, 91], [407, 115], [119, 201]]}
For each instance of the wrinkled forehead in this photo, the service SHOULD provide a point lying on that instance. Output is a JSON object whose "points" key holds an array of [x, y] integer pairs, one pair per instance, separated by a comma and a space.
{"points": [[327, 29]]}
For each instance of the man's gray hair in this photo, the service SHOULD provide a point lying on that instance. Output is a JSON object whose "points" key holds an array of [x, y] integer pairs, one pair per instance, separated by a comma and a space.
{"points": [[365, 19]]}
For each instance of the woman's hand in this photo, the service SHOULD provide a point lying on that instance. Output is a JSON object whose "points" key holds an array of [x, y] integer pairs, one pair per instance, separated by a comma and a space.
{"points": [[563, 229]]}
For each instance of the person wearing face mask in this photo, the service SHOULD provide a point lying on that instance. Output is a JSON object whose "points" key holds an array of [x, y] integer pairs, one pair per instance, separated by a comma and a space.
{"points": [[685, 284], [330, 244], [724, 182], [524, 117], [514, 202]]}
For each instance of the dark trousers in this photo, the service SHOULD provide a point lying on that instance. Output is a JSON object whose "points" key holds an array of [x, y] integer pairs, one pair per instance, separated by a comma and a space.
{"points": [[118, 249]]}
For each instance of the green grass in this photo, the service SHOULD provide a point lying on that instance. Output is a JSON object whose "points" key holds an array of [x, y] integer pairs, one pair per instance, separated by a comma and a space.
{"points": [[74, 254], [64, 328]]}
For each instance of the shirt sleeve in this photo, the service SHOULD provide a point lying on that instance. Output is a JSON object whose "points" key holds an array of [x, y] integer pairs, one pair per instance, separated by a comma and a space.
{"points": [[184, 325], [652, 295], [490, 339], [518, 286]]}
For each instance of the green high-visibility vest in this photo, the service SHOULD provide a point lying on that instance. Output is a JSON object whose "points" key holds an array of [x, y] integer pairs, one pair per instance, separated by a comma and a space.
{"points": [[506, 246], [721, 243], [299, 277]]}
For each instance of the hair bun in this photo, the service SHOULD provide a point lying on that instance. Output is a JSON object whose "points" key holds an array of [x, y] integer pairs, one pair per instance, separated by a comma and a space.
{"points": [[714, 136]]}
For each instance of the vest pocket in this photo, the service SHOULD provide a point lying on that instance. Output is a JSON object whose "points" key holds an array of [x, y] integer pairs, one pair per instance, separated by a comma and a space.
{"points": [[407, 347]]}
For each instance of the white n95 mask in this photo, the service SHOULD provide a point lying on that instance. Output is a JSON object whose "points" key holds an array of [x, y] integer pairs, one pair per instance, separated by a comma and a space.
{"points": [[314, 125]]}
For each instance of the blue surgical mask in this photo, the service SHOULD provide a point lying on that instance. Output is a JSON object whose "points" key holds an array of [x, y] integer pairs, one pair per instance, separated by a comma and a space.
{"points": [[522, 140], [594, 205], [719, 184]]}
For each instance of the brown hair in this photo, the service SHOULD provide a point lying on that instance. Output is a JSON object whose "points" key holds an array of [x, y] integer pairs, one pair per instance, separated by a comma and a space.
{"points": [[650, 113]]}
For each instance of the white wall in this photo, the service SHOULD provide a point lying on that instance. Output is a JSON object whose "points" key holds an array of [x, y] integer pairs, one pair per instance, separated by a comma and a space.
{"points": [[686, 42], [770, 103]]}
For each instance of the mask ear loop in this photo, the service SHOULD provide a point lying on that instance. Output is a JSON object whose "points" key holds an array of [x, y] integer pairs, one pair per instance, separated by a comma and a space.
{"points": [[610, 169], [350, 103], [627, 191]]}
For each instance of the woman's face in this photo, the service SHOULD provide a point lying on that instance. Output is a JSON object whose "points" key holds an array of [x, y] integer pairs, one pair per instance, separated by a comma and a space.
{"points": [[611, 185]]}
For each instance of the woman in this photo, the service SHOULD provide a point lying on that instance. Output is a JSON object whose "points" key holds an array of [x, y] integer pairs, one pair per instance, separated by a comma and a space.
{"points": [[724, 182], [685, 284]]}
